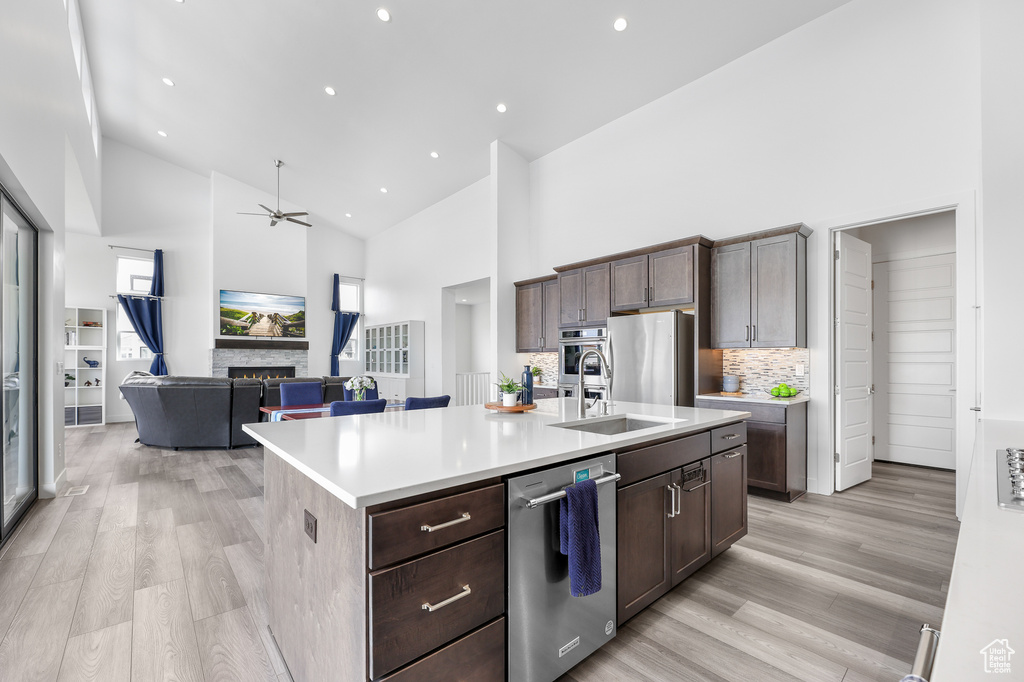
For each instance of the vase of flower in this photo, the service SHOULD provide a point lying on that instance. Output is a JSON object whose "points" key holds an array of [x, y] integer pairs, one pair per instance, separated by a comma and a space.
{"points": [[358, 386]]}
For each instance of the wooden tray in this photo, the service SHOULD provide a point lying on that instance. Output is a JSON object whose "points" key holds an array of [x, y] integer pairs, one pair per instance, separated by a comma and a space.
{"points": [[515, 408]]}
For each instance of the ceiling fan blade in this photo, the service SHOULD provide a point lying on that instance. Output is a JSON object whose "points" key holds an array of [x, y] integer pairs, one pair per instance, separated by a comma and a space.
{"points": [[273, 222], [293, 220], [296, 213], [268, 210], [244, 213]]}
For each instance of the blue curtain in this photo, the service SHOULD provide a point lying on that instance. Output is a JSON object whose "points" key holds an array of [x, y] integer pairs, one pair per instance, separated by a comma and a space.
{"points": [[156, 288], [344, 324], [145, 314]]}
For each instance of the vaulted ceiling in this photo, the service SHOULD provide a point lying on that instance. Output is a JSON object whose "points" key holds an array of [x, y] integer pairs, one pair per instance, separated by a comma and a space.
{"points": [[249, 79]]}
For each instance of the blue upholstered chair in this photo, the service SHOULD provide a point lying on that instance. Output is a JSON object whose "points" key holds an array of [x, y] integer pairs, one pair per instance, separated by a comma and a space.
{"points": [[340, 408], [302, 393], [371, 393], [427, 403]]}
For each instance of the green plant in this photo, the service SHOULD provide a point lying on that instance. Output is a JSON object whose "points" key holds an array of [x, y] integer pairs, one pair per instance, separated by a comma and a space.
{"points": [[508, 385], [536, 372], [69, 377]]}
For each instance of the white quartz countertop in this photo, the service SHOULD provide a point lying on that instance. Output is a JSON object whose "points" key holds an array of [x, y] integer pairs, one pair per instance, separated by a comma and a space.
{"points": [[986, 589], [761, 398], [368, 459]]}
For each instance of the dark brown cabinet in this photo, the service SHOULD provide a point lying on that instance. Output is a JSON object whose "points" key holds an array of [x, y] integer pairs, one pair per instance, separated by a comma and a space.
{"points": [[728, 498], [537, 308], [584, 296], [671, 524], [650, 280], [759, 292], [776, 437]]}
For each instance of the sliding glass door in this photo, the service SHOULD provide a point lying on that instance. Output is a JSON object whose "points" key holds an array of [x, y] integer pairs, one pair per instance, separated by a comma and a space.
{"points": [[18, 473]]}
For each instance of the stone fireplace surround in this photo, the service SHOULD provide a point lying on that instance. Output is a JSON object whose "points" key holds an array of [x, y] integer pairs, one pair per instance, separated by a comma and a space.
{"points": [[222, 358]]}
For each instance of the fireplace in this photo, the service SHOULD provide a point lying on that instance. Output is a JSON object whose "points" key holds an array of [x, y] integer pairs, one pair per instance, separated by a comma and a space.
{"points": [[257, 372]]}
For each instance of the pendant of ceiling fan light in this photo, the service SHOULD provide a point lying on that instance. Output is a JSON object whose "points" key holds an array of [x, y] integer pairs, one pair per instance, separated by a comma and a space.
{"points": [[277, 216]]}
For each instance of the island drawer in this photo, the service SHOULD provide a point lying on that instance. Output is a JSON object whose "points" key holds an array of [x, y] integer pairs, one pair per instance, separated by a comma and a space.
{"points": [[655, 459], [403, 533], [758, 411], [477, 657], [420, 605], [730, 436]]}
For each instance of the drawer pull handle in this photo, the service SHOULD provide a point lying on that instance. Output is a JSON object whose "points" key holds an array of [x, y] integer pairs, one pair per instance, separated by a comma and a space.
{"points": [[733, 454], [731, 436], [462, 519], [434, 607]]}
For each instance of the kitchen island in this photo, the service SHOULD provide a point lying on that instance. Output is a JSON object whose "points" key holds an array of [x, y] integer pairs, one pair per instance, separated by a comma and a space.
{"points": [[372, 519]]}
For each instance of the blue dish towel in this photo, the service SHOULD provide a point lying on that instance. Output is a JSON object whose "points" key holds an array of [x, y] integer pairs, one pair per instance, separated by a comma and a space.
{"points": [[580, 537]]}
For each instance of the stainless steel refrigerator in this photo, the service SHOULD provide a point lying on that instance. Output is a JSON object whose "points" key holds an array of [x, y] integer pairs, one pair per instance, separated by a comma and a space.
{"points": [[652, 358]]}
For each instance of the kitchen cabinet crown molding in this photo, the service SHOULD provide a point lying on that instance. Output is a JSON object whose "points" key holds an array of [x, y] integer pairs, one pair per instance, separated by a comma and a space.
{"points": [[535, 280], [799, 228], [643, 251]]}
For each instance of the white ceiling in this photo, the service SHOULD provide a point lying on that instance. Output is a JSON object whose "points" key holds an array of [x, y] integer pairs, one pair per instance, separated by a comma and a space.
{"points": [[250, 74]]}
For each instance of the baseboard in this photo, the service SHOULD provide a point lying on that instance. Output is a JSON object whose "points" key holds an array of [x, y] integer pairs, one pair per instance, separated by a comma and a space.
{"points": [[120, 419], [49, 490]]}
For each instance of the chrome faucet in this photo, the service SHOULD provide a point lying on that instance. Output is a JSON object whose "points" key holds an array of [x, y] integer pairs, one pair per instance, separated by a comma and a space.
{"points": [[606, 370]]}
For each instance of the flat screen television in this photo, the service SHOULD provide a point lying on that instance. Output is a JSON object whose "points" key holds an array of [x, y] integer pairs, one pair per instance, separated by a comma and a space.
{"points": [[243, 313]]}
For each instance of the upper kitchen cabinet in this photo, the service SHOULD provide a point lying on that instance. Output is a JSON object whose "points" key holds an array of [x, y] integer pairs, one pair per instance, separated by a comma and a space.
{"points": [[661, 278], [759, 290], [537, 309], [584, 296]]}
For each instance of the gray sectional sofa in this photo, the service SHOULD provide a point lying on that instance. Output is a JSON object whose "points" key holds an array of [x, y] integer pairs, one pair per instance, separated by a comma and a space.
{"points": [[206, 412]]}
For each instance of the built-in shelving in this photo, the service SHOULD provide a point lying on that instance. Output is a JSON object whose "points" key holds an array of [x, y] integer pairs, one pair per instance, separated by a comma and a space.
{"points": [[85, 338], [393, 356]]}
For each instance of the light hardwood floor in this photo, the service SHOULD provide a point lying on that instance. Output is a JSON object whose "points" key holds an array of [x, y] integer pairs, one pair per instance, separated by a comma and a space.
{"points": [[157, 574]]}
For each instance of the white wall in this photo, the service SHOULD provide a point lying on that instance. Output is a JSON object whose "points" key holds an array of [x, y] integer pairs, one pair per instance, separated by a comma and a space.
{"points": [[464, 342], [480, 332], [927, 235], [408, 265], [1002, 100], [148, 204], [45, 135]]}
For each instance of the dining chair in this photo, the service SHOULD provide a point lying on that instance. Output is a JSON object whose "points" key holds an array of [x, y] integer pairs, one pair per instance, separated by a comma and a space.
{"points": [[302, 393], [340, 408], [427, 403]]}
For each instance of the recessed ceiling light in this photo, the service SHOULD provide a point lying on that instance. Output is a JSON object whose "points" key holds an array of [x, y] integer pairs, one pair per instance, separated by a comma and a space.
{"points": [[168, 82], [348, 215], [434, 155], [463, 300], [161, 133], [330, 91], [383, 14], [384, 190], [179, 1], [502, 108], [620, 24]]}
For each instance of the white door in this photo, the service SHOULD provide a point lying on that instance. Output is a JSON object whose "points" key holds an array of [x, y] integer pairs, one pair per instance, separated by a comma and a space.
{"points": [[916, 347], [853, 361]]}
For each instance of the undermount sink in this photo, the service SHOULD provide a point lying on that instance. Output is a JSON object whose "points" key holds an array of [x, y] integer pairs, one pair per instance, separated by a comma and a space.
{"points": [[610, 426]]}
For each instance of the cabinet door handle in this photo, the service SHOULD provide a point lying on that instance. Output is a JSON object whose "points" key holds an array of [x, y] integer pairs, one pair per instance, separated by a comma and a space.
{"points": [[754, 338], [696, 487], [645, 294], [672, 503], [434, 607], [462, 519], [748, 333], [584, 312], [733, 454], [679, 500], [652, 294], [731, 436]]}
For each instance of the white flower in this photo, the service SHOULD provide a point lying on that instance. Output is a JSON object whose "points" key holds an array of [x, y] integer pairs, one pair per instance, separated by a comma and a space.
{"points": [[359, 383]]}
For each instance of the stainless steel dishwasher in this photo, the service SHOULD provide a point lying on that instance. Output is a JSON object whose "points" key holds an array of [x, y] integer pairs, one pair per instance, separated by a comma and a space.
{"points": [[549, 630]]}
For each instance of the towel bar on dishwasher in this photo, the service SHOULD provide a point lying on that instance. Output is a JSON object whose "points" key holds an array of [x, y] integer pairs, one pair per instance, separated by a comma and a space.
{"points": [[551, 497]]}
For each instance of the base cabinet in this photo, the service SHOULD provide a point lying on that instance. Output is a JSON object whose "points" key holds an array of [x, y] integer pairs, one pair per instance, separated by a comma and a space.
{"points": [[671, 524]]}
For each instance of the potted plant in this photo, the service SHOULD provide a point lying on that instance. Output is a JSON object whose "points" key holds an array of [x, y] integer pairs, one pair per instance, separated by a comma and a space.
{"points": [[536, 373], [509, 390], [68, 378], [358, 386]]}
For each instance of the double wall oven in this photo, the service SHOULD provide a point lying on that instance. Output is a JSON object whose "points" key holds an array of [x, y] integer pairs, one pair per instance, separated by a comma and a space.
{"points": [[572, 343]]}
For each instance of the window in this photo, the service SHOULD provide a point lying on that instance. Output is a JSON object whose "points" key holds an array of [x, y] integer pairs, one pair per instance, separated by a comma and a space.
{"points": [[350, 300], [134, 276]]}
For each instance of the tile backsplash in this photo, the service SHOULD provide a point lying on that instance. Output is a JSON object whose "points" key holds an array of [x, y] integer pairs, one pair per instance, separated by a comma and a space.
{"points": [[765, 368], [548, 363]]}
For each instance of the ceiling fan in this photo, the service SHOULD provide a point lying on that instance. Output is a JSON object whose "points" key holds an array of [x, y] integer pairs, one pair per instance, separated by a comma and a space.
{"points": [[277, 216]]}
